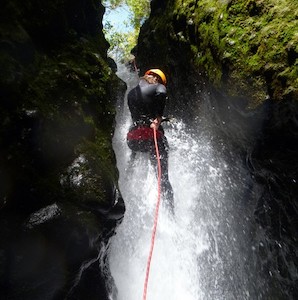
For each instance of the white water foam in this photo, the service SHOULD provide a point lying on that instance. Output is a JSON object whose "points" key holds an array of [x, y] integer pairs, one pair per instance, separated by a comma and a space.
{"points": [[196, 254], [178, 242]]}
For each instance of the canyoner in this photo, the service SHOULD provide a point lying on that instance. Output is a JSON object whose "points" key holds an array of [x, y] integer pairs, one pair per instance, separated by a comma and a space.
{"points": [[146, 103]]}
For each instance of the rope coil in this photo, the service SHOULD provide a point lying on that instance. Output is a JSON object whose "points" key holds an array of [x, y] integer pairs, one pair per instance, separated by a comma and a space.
{"points": [[155, 216]]}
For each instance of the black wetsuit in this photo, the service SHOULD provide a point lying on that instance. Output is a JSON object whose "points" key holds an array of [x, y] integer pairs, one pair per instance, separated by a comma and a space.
{"points": [[146, 102]]}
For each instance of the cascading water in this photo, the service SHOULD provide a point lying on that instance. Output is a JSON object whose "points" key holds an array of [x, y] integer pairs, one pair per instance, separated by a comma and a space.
{"points": [[205, 251]]}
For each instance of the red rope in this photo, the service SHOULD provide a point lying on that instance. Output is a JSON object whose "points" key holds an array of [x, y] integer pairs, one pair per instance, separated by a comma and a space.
{"points": [[155, 216]]}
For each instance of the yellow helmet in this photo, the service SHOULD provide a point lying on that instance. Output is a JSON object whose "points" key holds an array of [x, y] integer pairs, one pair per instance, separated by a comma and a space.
{"points": [[159, 73]]}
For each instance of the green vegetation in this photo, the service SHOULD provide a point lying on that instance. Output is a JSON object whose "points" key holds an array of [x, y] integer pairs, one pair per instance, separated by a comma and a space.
{"points": [[58, 103], [246, 39], [249, 47], [121, 43], [139, 10]]}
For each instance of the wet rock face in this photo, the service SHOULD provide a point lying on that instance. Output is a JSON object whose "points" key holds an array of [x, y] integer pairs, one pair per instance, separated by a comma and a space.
{"points": [[232, 41], [52, 254], [255, 114], [274, 167], [57, 167]]}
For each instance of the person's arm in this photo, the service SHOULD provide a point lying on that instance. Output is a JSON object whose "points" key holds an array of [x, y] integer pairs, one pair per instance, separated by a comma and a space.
{"points": [[134, 103], [160, 101]]}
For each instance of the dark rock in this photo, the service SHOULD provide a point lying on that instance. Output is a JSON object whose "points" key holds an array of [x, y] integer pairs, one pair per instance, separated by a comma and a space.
{"points": [[59, 201]]}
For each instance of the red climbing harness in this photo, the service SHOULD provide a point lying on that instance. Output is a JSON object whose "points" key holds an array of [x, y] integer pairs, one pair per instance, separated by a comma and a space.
{"points": [[143, 133], [155, 216]]}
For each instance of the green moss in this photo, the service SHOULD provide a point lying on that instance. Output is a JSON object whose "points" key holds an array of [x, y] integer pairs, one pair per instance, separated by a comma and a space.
{"points": [[59, 103], [262, 38], [243, 39]]}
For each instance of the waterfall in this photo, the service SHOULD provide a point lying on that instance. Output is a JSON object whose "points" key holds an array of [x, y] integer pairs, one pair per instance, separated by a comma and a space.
{"points": [[206, 251]]}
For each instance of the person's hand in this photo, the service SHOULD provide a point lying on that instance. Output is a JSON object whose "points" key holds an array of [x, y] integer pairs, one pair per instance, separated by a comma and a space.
{"points": [[155, 123]]}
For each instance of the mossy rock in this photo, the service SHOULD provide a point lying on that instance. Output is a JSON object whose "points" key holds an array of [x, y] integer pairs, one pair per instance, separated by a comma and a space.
{"points": [[245, 47]]}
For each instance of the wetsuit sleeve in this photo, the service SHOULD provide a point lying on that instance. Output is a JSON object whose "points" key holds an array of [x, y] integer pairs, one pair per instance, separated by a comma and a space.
{"points": [[133, 101], [160, 97]]}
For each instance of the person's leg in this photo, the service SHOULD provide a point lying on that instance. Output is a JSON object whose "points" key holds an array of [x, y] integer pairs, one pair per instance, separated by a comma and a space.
{"points": [[165, 182], [135, 146]]}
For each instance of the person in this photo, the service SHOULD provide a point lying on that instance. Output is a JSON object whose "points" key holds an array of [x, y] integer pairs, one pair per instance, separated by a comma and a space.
{"points": [[146, 103]]}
